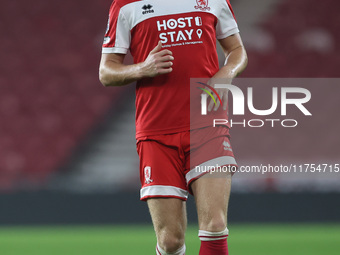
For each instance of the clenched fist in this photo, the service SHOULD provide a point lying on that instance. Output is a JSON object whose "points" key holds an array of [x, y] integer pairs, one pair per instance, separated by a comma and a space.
{"points": [[158, 62]]}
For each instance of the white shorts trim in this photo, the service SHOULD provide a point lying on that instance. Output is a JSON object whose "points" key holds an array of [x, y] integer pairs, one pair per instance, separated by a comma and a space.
{"points": [[220, 161], [163, 191]]}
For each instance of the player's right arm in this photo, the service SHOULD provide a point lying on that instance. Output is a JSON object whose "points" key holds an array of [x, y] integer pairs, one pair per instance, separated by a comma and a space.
{"points": [[112, 71]]}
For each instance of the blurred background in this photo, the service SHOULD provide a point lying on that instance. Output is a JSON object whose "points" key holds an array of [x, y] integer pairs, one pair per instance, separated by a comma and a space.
{"points": [[67, 147]]}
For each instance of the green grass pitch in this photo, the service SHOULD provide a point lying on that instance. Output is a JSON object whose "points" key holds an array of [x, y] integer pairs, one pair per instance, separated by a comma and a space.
{"points": [[259, 239]]}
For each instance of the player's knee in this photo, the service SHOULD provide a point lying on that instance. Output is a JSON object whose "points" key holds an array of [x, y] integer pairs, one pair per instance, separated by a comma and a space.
{"points": [[214, 224], [171, 242]]}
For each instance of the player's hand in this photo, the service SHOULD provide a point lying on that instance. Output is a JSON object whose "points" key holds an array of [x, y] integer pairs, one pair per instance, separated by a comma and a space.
{"points": [[158, 62], [223, 94]]}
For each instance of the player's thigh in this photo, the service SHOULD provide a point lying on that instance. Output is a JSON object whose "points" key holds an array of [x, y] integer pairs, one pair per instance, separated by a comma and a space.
{"points": [[211, 184], [212, 194], [168, 216]]}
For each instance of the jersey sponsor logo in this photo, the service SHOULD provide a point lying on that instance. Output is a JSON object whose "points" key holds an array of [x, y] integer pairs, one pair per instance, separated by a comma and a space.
{"points": [[147, 9], [147, 174], [179, 30], [202, 5]]}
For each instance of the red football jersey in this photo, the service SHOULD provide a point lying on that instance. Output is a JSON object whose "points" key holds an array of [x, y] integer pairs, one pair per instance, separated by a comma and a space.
{"points": [[187, 28]]}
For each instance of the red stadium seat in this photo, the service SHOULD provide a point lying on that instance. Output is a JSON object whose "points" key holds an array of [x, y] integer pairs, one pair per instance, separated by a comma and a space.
{"points": [[50, 96]]}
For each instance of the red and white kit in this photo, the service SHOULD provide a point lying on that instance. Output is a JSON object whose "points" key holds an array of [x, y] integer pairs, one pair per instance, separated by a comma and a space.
{"points": [[189, 29]]}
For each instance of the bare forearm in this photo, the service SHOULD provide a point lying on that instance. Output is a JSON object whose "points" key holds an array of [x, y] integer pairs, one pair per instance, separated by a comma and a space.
{"points": [[116, 74], [112, 71], [235, 63]]}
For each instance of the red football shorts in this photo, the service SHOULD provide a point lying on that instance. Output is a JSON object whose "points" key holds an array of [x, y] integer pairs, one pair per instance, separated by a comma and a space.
{"points": [[169, 163]]}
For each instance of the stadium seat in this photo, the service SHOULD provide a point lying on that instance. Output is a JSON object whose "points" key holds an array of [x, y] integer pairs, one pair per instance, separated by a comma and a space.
{"points": [[50, 96]]}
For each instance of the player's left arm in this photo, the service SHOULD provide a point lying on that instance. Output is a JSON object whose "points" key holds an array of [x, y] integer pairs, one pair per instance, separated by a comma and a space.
{"points": [[236, 61], [236, 57]]}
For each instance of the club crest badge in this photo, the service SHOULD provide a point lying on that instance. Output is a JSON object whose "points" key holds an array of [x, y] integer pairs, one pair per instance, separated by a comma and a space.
{"points": [[147, 175], [202, 5]]}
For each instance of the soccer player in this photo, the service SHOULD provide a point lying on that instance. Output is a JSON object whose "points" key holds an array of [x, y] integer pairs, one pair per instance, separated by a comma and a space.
{"points": [[172, 42]]}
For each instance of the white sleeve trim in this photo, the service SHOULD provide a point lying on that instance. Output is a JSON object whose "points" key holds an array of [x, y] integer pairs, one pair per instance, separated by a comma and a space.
{"points": [[229, 33], [226, 23], [114, 50]]}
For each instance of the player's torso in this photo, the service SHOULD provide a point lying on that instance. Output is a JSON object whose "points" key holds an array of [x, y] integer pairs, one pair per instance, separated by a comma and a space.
{"points": [[188, 29]]}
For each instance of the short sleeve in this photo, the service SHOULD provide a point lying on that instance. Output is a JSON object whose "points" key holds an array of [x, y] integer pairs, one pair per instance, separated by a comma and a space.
{"points": [[117, 37], [226, 23]]}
